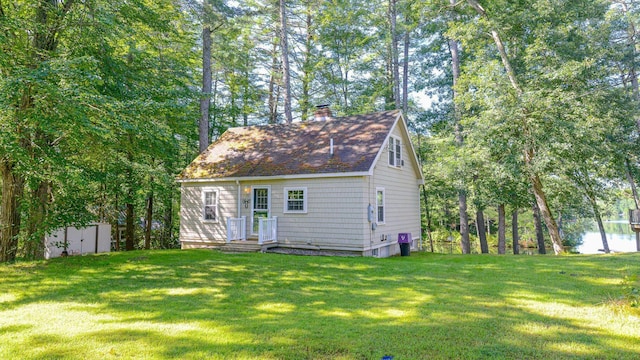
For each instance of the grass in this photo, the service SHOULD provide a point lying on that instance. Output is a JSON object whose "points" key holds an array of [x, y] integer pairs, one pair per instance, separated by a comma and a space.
{"points": [[200, 304]]}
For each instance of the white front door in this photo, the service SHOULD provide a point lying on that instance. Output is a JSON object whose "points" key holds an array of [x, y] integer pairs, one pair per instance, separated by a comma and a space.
{"points": [[261, 206]]}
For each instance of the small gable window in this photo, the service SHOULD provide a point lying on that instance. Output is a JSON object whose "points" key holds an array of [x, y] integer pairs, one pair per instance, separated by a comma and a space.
{"points": [[295, 200], [395, 152], [209, 205], [380, 205]]}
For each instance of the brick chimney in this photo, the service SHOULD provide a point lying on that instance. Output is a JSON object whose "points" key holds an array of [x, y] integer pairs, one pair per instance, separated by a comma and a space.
{"points": [[322, 113]]}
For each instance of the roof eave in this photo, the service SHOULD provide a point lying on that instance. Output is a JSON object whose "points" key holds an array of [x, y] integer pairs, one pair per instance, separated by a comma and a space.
{"points": [[276, 177]]}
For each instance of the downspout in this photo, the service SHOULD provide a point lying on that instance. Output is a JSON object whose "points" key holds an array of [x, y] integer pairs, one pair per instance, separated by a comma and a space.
{"points": [[239, 198]]}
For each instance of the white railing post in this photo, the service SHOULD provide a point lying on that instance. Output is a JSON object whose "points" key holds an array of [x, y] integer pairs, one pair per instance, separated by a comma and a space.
{"points": [[274, 229], [243, 228], [267, 230], [236, 229]]}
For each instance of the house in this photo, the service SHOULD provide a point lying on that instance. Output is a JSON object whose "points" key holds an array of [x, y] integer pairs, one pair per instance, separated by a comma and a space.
{"points": [[341, 184]]}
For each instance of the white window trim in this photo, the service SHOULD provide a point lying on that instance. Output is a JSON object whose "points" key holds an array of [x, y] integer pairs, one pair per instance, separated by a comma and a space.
{"points": [[392, 144], [384, 207], [215, 205], [305, 195]]}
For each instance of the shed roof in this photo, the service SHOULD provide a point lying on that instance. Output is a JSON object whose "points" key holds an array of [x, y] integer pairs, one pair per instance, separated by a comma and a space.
{"points": [[295, 149]]}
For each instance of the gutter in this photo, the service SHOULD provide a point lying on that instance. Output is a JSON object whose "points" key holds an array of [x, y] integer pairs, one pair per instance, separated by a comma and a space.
{"points": [[276, 177]]}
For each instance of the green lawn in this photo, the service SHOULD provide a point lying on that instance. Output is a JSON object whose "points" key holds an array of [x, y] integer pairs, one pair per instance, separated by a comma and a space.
{"points": [[201, 304]]}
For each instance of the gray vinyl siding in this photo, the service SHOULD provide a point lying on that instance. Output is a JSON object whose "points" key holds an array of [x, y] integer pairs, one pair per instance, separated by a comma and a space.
{"points": [[336, 212], [402, 196], [334, 217], [193, 229]]}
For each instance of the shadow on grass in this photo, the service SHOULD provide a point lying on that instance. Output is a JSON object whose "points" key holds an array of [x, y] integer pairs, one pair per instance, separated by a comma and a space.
{"points": [[202, 304]]}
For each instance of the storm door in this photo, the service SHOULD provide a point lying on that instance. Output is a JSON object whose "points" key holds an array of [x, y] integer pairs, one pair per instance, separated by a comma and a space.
{"points": [[261, 206]]}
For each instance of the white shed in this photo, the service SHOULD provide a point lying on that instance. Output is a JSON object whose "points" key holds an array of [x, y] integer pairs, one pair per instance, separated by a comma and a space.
{"points": [[93, 239]]}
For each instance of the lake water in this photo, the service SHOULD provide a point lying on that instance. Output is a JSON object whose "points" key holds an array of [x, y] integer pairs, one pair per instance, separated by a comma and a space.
{"points": [[619, 236]]}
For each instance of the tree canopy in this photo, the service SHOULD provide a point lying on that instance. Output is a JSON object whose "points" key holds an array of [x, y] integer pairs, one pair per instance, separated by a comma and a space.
{"points": [[514, 104]]}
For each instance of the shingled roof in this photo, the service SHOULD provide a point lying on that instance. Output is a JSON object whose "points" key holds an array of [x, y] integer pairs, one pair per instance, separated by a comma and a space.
{"points": [[295, 149]]}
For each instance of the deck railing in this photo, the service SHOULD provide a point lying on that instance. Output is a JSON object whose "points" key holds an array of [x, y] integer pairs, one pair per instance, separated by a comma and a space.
{"points": [[236, 229], [268, 230]]}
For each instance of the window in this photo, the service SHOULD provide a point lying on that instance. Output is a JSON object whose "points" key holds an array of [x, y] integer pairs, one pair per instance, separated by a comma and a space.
{"points": [[296, 200], [395, 152], [210, 205], [380, 205]]}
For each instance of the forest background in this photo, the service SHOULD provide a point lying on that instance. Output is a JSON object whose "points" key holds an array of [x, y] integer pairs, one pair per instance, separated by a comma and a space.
{"points": [[526, 108]]}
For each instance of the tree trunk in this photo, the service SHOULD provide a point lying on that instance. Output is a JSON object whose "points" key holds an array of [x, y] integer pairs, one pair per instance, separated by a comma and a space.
{"points": [[168, 223], [34, 242], [273, 87], [596, 214], [116, 225], [502, 238], [345, 88], [393, 14], [148, 223], [559, 223], [232, 107], [603, 234], [545, 212], [284, 46], [632, 183], [514, 232], [307, 69], [389, 101], [465, 244], [538, 225], [405, 73], [428, 216], [205, 99], [213, 131], [482, 232], [12, 189], [129, 231]]}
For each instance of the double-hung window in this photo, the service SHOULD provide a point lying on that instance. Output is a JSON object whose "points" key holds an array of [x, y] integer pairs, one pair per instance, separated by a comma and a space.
{"points": [[295, 200], [209, 205], [395, 152], [380, 205]]}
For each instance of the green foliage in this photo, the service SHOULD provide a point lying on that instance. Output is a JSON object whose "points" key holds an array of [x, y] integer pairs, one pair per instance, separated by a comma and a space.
{"points": [[97, 112], [631, 284], [572, 112], [99, 103]]}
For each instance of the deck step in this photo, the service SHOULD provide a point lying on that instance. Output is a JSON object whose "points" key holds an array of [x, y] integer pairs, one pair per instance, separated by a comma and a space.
{"points": [[241, 247]]}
